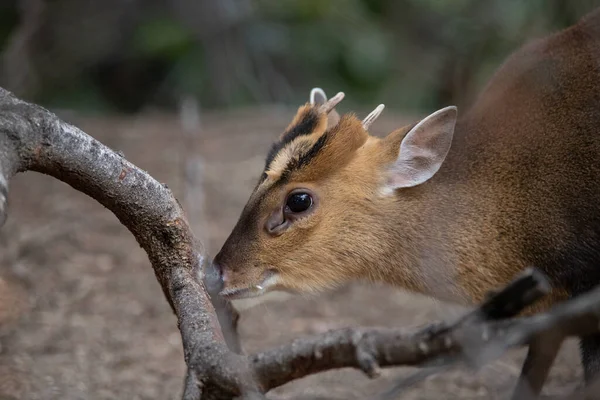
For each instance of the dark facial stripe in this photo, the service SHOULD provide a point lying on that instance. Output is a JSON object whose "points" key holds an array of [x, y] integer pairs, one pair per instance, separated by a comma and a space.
{"points": [[305, 158], [306, 126]]}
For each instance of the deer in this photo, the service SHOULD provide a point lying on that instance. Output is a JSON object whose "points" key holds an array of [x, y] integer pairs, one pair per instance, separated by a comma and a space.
{"points": [[449, 206]]}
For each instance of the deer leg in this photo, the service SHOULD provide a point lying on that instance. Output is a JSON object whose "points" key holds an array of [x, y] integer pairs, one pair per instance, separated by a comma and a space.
{"points": [[539, 360]]}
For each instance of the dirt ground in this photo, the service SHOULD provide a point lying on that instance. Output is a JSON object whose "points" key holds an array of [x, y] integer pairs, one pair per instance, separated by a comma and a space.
{"points": [[82, 317]]}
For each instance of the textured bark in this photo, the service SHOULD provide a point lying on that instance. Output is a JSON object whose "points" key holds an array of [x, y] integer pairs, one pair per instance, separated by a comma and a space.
{"points": [[32, 138]]}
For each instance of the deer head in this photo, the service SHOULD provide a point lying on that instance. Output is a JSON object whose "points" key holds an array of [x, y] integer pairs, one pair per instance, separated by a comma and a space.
{"points": [[325, 210]]}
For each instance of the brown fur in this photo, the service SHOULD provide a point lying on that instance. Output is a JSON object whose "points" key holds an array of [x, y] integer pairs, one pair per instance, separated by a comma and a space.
{"points": [[520, 187]]}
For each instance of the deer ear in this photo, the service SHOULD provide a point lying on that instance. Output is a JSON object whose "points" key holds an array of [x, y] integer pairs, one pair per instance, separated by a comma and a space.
{"points": [[318, 98], [423, 149]]}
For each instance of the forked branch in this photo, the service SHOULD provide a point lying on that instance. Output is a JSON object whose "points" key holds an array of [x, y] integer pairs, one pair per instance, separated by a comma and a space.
{"points": [[32, 138]]}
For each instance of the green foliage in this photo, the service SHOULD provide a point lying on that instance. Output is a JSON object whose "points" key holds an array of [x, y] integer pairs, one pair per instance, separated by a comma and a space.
{"points": [[162, 37], [411, 54]]}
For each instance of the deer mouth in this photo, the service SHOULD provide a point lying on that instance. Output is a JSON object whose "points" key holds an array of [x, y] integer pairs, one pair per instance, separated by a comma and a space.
{"points": [[269, 282], [240, 293]]}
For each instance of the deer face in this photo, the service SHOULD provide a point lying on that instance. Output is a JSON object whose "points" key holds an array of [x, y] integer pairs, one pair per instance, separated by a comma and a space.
{"points": [[319, 215]]}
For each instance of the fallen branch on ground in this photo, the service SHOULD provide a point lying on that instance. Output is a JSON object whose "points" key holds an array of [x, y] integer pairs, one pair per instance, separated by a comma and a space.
{"points": [[32, 138]]}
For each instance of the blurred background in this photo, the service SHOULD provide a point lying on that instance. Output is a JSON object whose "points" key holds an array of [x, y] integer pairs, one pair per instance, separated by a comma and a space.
{"points": [[194, 92], [128, 55]]}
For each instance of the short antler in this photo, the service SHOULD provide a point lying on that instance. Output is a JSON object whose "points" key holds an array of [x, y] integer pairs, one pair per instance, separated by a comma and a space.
{"points": [[331, 103], [366, 123]]}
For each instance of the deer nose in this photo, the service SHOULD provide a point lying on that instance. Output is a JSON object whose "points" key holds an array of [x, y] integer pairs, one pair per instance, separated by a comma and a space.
{"points": [[213, 277], [220, 272]]}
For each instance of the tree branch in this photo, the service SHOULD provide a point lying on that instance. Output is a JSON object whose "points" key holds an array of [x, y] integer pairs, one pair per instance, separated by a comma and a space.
{"points": [[369, 349], [472, 341]]}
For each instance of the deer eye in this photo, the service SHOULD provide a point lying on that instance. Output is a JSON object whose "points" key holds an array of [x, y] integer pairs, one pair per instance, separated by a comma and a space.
{"points": [[298, 202]]}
